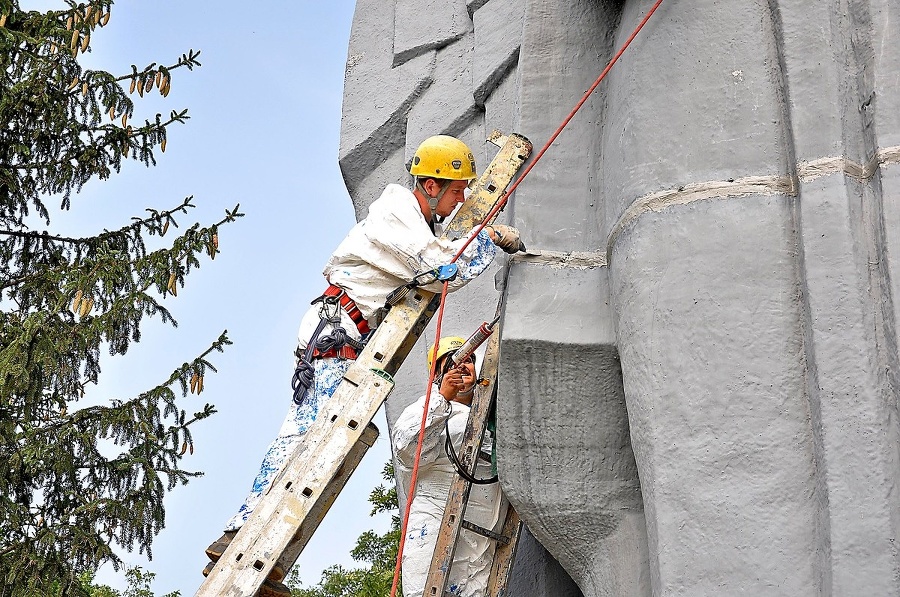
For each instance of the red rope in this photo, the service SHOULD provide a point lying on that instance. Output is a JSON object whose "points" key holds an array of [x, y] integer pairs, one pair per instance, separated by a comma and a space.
{"points": [[415, 470], [501, 203]]}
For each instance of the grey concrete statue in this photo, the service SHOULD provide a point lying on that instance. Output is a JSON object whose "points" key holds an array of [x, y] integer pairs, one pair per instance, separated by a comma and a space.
{"points": [[700, 372]]}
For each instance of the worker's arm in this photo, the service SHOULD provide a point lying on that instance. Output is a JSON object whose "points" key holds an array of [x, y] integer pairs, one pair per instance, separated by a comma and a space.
{"points": [[405, 433], [474, 260], [411, 254], [406, 247]]}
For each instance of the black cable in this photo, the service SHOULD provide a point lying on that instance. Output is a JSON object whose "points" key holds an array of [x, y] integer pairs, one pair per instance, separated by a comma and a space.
{"points": [[454, 459]]}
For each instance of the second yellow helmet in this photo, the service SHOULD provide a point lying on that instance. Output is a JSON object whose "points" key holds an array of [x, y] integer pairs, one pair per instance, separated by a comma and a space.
{"points": [[447, 345]]}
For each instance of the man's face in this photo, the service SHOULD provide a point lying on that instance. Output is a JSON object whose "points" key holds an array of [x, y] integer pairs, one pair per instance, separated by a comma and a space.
{"points": [[453, 196], [460, 379], [468, 372]]}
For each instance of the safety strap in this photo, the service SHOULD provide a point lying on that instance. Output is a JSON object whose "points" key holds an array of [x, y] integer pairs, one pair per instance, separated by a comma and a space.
{"points": [[344, 352], [337, 344], [349, 307]]}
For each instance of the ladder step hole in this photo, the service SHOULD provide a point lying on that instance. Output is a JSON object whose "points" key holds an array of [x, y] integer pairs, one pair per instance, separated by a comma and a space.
{"points": [[258, 565], [379, 356], [353, 424], [307, 492], [333, 418], [288, 484]]}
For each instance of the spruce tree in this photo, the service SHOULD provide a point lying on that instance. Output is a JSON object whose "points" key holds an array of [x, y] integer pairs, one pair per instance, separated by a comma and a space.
{"points": [[80, 481]]}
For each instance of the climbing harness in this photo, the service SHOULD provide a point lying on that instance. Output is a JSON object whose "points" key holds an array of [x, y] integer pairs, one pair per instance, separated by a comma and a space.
{"points": [[501, 203], [337, 344], [348, 305]]}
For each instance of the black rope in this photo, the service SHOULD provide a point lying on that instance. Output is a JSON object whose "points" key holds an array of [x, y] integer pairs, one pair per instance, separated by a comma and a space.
{"points": [[336, 340], [302, 382], [304, 375]]}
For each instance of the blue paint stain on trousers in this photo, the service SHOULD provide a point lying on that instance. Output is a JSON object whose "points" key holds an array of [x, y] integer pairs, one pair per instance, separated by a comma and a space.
{"points": [[329, 373]]}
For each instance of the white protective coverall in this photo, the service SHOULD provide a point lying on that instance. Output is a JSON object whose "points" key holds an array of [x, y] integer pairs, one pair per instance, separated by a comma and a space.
{"points": [[474, 553], [384, 251], [392, 245]]}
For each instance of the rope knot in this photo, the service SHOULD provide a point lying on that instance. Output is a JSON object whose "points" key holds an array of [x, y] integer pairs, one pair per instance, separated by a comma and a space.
{"points": [[302, 382]]}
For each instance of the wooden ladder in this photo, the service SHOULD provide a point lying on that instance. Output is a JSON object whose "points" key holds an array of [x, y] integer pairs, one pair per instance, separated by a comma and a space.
{"points": [[457, 499], [298, 499]]}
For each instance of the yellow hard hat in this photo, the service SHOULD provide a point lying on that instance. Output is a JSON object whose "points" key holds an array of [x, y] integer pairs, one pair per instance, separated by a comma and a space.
{"points": [[446, 345], [443, 157]]}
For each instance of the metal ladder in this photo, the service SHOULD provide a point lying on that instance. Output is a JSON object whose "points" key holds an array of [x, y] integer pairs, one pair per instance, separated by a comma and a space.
{"points": [[298, 499], [457, 499]]}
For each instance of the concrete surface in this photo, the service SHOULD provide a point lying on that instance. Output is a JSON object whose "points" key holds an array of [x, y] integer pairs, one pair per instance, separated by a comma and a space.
{"points": [[700, 367]]}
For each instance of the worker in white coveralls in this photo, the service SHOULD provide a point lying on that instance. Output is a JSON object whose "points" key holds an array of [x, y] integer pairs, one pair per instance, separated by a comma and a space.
{"points": [[448, 414], [397, 241]]}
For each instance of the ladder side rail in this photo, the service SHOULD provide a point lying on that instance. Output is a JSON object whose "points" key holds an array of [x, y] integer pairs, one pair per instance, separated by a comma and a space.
{"points": [[335, 431], [458, 496], [299, 490], [505, 554], [268, 532], [333, 489], [514, 152]]}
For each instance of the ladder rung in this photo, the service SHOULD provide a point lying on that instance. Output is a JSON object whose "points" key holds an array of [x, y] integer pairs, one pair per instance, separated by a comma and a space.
{"points": [[483, 531]]}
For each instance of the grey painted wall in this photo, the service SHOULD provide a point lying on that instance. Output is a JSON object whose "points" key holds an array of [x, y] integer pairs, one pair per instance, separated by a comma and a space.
{"points": [[699, 377]]}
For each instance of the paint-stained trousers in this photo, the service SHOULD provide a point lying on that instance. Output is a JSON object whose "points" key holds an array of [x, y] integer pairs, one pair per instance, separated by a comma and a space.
{"points": [[328, 375]]}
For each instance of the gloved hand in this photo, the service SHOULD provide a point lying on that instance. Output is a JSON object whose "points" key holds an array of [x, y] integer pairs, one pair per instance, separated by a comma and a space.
{"points": [[506, 237]]}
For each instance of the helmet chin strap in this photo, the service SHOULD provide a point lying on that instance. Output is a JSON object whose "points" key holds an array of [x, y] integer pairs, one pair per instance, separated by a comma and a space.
{"points": [[433, 201]]}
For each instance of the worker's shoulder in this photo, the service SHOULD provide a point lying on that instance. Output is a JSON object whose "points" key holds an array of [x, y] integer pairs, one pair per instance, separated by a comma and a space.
{"points": [[413, 411], [395, 199], [395, 212]]}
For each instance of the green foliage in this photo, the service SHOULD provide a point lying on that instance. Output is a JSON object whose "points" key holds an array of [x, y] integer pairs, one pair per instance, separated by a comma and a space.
{"points": [[378, 551], [76, 481], [138, 580]]}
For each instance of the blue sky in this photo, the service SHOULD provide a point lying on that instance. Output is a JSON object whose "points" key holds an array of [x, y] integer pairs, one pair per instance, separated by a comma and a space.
{"points": [[265, 113]]}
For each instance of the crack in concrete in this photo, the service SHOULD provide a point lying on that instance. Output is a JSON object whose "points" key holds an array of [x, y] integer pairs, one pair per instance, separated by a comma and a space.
{"points": [[861, 172], [751, 185], [570, 259]]}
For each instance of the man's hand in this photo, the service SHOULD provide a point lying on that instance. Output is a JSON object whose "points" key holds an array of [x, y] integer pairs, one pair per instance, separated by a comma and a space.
{"points": [[505, 237], [458, 383]]}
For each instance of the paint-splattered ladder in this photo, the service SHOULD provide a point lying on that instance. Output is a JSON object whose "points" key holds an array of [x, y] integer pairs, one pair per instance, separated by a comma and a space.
{"points": [[454, 512], [300, 497]]}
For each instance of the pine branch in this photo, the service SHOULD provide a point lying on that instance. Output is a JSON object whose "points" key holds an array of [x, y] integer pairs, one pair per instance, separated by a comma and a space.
{"points": [[72, 484]]}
